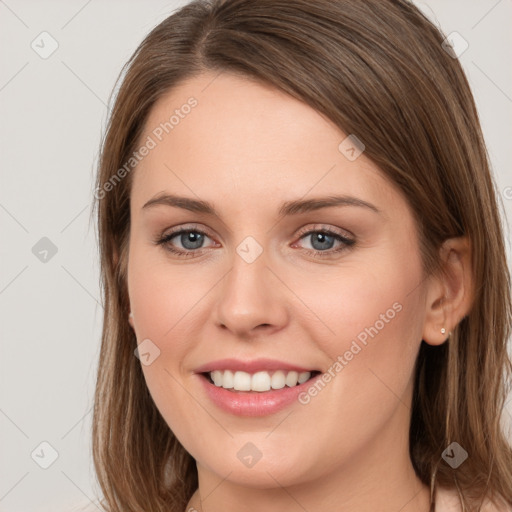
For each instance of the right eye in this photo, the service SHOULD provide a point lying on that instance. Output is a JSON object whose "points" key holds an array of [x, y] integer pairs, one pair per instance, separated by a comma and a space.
{"points": [[189, 239]]}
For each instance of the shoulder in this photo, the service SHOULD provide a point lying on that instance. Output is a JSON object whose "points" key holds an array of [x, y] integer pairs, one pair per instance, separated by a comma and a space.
{"points": [[447, 500], [488, 506]]}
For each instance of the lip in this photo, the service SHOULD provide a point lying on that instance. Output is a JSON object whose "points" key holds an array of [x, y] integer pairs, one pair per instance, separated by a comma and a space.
{"points": [[254, 403], [252, 366]]}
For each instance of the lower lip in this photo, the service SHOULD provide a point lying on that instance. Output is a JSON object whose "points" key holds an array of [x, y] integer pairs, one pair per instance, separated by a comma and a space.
{"points": [[254, 403]]}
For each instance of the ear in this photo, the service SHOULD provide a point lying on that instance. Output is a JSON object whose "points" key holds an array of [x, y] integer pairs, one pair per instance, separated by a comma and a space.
{"points": [[450, 294]]}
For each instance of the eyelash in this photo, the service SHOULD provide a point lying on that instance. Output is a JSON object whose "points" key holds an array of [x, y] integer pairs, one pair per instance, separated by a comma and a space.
{"points": [[164, 241]]}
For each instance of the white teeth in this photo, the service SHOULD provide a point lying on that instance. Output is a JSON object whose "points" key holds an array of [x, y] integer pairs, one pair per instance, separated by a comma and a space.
{"points": [[227, 379], [304, 376], [259, 381], [291, 379], [278, 380], [241, 381], [216, 376]]}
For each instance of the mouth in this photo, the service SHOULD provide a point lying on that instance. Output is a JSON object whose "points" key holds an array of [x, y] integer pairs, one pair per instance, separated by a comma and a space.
{"points": [[258, 382]]}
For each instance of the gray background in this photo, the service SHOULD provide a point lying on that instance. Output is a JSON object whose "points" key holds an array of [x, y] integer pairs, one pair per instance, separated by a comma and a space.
{"points": [[53, 113]]}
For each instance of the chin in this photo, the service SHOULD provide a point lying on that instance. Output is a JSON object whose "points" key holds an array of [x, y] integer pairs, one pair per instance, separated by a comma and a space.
{"points": [[269, 465]]}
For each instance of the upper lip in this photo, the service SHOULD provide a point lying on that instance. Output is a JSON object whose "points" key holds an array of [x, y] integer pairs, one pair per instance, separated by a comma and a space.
{"points": [[251, 366]]}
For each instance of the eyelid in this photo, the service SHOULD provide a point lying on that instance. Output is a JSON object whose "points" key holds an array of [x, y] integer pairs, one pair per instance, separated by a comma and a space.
{"points": [[323, 227], [186, 228]]}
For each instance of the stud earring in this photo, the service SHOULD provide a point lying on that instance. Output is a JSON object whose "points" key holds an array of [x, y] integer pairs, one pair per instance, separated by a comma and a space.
{"points": [[130, 315], [443, 331]]}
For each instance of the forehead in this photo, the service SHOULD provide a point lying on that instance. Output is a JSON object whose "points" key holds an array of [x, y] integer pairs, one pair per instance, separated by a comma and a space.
{"points": [[229, 137]]}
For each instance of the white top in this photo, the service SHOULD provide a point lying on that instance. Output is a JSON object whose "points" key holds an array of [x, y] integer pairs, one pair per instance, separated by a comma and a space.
{"points": [[447, 500]]}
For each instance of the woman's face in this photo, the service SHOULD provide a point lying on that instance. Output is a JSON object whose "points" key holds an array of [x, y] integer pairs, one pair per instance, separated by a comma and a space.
{"points": [[272, 281]]}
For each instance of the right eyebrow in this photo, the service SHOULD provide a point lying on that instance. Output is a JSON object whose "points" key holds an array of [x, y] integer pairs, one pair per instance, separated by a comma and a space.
{"points": [[186, 203]]}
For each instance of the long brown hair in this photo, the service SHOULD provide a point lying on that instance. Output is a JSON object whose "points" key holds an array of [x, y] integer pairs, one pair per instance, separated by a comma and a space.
{"points": [[377, 69]]}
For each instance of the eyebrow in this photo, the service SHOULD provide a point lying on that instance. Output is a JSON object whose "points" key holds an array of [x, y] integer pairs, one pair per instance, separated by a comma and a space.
{"points": [[294, 207]]}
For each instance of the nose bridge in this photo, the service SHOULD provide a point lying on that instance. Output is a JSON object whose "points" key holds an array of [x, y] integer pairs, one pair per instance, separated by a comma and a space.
{"points": [[250, 295]]}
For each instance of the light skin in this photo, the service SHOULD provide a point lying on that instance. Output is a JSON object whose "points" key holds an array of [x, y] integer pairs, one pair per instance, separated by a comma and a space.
{"points": [[247, 148]]}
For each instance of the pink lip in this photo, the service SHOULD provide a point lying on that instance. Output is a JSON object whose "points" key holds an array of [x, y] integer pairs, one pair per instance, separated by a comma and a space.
{"points": [[254, 403], [250, 366]]}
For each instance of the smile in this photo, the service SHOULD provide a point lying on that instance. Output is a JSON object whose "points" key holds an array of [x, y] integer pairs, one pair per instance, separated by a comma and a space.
{"points": [[260, 381]]}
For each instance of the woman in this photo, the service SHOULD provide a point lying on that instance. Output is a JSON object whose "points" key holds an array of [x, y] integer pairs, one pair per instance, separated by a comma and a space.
{"points": [[307, 302]]}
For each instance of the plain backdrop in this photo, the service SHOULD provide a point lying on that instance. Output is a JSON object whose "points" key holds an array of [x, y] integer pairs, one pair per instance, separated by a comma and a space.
{"points": [[53, 112]]}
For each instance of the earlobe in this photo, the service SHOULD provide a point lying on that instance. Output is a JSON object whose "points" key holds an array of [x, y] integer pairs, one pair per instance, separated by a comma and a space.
{"points": [[449, 294]]}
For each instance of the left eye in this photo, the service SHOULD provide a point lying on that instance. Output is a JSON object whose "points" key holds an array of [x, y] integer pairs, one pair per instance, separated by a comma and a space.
{"points": [[323, 241]]}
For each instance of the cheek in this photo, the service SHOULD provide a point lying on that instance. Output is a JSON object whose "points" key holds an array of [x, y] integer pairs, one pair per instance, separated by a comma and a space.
{"points": [[164, 299], [167, 304], [371, 322], [376, 318], [367, 304]]}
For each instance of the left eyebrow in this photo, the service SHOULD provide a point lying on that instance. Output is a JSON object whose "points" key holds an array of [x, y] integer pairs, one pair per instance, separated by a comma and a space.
{"points": [[288, 208], [308, 205]]}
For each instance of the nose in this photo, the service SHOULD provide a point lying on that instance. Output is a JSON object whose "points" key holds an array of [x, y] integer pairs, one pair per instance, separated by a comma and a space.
{"points": [[251, 301]]}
